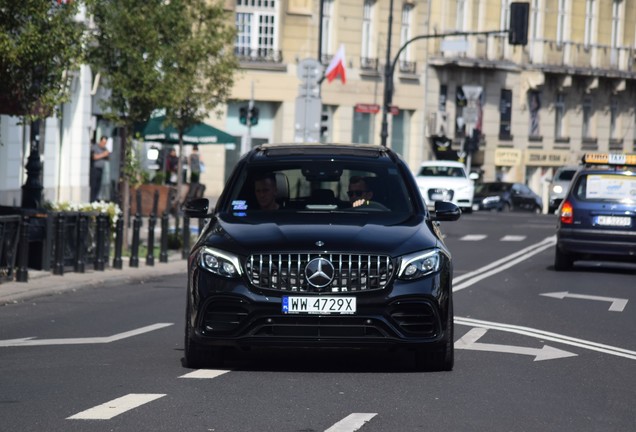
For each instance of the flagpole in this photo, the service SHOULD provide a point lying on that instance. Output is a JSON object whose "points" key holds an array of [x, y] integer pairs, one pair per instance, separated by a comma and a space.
{"points": [[388, 81]]}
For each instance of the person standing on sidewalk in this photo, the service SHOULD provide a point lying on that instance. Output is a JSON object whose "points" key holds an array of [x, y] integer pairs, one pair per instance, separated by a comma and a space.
{"points": [[99, 157], [195, 163]]}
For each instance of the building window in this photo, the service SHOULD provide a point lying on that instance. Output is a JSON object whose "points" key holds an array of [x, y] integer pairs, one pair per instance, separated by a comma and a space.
{"points": [[587, 118], [505, 114], [617, 30], [257, 30], [400, 132], [362, 128], [327, 22], [534, 106], [559, 115], [561, 17], [590, 22], [460, 23], [405, 31], [367, 31]]}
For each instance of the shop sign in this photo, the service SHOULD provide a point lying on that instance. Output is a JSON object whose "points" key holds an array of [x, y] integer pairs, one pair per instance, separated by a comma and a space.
{"points": [[507, 157], [367, 108], [546, 158]]}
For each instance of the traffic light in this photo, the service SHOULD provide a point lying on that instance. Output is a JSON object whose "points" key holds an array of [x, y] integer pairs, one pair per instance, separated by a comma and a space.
{"points": [[324, 126], [518, 31], [254, 116], [243, 115]]}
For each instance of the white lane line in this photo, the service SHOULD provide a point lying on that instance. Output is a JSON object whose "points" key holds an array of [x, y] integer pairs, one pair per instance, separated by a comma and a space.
{"points": [[205, 373], [116, 407], [473, 237], [513, 238], [352, 422], [502, 264], [544, 335]]}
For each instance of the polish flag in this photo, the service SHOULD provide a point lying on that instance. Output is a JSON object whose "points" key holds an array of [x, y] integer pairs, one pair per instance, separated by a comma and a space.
{"points": [[337, 66]]}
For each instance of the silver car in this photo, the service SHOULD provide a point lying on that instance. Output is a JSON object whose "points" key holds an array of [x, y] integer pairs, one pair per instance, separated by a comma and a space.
{"points": [[559, 186]]}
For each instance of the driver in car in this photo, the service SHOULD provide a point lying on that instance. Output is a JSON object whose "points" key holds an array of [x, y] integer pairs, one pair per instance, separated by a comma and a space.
{"points": [[359, 192]]}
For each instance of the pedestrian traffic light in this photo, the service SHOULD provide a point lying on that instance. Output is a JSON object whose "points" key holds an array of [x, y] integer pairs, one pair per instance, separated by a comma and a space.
{"points": [[243, 115], [518, 31], [254, 116]]}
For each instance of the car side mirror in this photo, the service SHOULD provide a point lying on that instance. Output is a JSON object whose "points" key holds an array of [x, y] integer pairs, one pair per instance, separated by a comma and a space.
{"points": [[446, 211], [196, 208]]}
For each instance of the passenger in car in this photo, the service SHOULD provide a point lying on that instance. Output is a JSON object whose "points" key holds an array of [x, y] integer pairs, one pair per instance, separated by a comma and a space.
{"points": [[266, 191], [359, 191]]}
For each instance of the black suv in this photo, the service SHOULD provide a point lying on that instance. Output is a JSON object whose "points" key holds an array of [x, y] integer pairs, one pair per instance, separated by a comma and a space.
{"points": [[345, 254]]}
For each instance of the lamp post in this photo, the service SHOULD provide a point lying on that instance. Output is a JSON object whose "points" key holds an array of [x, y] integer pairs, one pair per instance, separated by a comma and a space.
{"points": [[32, 188], [388, 81]]}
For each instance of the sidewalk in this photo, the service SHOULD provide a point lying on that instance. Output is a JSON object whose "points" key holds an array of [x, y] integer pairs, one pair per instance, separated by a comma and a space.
{"points": [[43, 283]]}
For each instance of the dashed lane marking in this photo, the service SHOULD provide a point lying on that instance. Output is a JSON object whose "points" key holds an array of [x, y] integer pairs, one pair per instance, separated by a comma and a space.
{"points": [[205, 373], [115, 407], [513, 238], [473, 237], [352, 422]]}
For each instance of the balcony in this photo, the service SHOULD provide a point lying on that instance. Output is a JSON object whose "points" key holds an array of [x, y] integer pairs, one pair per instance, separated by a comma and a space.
{"points": [[368, 64], [259, 58]]}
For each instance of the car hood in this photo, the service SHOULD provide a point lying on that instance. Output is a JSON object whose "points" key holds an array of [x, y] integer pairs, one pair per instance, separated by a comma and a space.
{"points": [[244, 237], [442, 182]]}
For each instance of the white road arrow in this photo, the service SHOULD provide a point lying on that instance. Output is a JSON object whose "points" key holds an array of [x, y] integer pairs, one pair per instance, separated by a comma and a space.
{"points": [[78, 341], [617, 304], [469, 342]]}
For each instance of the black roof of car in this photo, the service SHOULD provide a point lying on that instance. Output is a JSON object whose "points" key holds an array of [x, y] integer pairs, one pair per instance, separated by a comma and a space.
{"points": [[264, 151]]}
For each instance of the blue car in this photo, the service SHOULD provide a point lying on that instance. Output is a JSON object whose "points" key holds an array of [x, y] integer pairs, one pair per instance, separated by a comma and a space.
{"points": [[597, 218]]}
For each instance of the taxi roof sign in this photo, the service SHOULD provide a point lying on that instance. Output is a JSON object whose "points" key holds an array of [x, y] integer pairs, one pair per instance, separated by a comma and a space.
{"points": [[609, 159]]}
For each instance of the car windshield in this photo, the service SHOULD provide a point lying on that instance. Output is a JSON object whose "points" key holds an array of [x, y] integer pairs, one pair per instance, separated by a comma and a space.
{"points": [[610, 187], [492, 188], [441, 171], [319, 186]]}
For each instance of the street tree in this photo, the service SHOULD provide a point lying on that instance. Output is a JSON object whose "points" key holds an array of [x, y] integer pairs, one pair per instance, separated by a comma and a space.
{"points": [[200, 68], [41, 46]]}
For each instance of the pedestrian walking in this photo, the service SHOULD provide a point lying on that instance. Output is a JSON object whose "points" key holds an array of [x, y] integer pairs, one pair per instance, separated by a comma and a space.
{"points": [[99, 158]]}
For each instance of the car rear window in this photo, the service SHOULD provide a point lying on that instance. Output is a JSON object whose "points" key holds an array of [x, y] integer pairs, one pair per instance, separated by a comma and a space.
{"points": [[565, 175], [610, 187]]}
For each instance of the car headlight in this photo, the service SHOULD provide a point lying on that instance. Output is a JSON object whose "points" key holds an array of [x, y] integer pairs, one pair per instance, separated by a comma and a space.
{"points": [[219, 263], [557, 189], [491, 199], [417, 265]]}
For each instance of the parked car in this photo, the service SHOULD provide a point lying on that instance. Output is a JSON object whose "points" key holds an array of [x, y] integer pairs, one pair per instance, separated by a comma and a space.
{"points": [[446, 181], [597, 219], [505, 197], [337, 262], [559, 186]]}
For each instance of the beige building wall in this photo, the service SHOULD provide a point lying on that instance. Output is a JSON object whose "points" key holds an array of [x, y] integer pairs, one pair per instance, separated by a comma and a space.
{"points": [[600, 72]]}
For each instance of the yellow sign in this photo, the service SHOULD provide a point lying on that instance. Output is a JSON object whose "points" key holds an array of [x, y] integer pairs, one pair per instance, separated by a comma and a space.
{"points": [[507, 157], [609, 158]]}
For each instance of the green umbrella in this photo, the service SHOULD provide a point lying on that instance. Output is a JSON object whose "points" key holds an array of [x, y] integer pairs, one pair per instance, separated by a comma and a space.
{"points": [[200, 133]]}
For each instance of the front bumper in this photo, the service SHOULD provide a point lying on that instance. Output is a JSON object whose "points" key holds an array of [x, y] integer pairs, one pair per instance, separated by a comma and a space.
{"points": [[224, 312]]}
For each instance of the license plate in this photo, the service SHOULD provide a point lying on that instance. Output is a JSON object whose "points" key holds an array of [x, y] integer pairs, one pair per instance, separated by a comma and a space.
{"points": [[621, 221], [438, 197], [319, 305]]}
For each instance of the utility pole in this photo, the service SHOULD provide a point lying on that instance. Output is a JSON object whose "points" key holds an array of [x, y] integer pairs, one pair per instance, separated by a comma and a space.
{"points": [[388, 81]]}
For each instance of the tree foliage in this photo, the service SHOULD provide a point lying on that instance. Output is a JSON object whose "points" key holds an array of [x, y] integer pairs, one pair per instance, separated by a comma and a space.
{"points": [[40, 44]]}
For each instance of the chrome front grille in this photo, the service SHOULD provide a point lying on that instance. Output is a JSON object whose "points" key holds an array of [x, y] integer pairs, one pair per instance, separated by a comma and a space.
{"points": [[352, 272]]}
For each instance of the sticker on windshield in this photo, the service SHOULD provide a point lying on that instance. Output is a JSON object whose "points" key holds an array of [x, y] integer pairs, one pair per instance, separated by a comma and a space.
{"points": [[239, 205], [614, 187]]}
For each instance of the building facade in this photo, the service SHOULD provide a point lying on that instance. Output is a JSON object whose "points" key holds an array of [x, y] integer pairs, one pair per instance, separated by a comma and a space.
{"points": [[532, 108]]}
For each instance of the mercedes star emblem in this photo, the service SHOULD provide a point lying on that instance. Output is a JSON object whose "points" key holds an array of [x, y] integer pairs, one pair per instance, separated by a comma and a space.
{"points": [[319, 272]]}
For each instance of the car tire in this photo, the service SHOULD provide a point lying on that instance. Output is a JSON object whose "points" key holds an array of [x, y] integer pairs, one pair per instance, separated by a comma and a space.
{"points": [[538, 210], [197, 356], [441, 359], [562, 261], [506, 208]]}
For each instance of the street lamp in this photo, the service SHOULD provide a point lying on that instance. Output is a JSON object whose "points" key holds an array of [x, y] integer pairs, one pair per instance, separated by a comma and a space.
{"points": [[388, 81]]}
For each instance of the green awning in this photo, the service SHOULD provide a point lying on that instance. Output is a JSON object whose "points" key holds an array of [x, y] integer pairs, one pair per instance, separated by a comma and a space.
{"points": [[199, 134]]}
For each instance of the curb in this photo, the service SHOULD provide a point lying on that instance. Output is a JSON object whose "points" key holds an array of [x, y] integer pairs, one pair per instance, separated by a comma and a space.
{"points": [[45, 283]]}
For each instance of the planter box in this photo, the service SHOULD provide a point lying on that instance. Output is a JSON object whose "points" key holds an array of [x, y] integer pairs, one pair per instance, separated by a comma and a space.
{"points": [[166, 200]]}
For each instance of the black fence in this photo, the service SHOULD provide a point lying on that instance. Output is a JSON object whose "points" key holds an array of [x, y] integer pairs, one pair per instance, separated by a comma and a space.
{"points": [[63, 242]]}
